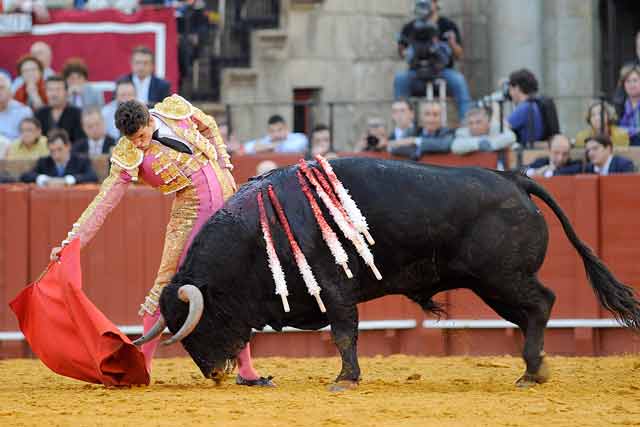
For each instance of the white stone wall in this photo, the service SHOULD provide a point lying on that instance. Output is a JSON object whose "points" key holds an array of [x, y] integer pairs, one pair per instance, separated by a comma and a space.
{"points": [[347, 49]]}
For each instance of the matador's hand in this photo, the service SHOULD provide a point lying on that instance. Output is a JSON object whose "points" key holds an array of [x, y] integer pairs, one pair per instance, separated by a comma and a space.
{"points": [[55, 253]]}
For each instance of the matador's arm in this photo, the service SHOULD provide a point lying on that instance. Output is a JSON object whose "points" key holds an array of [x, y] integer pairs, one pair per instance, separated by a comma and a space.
{"points": [[125, 160]]}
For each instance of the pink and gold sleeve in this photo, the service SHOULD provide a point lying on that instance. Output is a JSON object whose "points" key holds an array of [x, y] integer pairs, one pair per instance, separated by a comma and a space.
{"points": [[111, 192]]}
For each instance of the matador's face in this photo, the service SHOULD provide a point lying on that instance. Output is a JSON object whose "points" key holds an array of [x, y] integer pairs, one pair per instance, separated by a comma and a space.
{"points": [[142, 137]]}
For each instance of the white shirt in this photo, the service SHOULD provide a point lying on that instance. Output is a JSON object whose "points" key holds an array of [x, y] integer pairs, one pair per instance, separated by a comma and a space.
{"points": [[95, 147], [166, 132], [605, 169], [142, 88]]}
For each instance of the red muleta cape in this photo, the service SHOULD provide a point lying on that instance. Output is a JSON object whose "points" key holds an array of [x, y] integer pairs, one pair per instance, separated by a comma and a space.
{"points": [[69, 334]]}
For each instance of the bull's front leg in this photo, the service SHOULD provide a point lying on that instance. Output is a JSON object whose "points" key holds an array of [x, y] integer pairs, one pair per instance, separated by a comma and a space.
{"points": [[344, 329]]}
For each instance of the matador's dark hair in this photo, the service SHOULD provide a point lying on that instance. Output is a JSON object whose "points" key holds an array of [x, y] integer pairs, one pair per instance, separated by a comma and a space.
{"points": [[131, 116]]}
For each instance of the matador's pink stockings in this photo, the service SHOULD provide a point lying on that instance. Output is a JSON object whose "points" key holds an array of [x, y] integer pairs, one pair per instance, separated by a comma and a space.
{"points": [[245, 365]]}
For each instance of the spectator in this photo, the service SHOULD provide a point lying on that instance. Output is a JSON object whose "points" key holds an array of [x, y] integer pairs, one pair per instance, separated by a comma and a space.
{"points": [[620, 96], [558, 162], [526, 119], [375, 139], [97, 142], [11, 111], [619, 137], [321, 141], [279, 139], [449, 34], [230, 140], [630, 120], [432, 136], [32, 91], [149, 88], [59, 114], [602, 160], [61, 167], [479, 135], [42, 52], [81, 94], [31, 145], [125, 91], [403, 116]]}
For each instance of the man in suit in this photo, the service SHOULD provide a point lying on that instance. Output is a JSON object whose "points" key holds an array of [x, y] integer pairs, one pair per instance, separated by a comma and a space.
{"points": [[558, 162], [602, 160], [61, 167], [59, 114], [149, 88], [97, 141]]}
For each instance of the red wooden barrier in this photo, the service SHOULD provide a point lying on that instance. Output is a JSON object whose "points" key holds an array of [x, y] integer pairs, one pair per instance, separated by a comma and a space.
{"points": [[120, 264]]}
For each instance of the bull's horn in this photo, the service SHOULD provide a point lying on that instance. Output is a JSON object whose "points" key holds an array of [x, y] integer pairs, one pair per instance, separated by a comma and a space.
{"points": [[192, 295], [155, 331]]}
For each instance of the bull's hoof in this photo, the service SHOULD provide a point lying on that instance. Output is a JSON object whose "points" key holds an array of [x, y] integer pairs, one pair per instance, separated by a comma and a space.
{"points": [[343, 385], [260, 382], [541, 377]]}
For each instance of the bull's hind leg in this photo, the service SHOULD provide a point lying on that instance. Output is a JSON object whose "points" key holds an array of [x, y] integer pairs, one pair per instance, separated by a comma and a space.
{"points": [[344, 330], [528, 304]]}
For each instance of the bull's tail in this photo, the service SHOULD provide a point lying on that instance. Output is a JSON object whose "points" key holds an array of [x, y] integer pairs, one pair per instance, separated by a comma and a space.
{"points": [[615, 296]]}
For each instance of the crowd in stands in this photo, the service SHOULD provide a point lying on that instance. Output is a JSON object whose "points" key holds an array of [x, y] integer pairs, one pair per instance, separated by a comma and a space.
{"points": [[40, 103]]}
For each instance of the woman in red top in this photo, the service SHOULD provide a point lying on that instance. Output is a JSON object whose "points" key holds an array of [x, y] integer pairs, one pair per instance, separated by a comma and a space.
{"points": [[31, 92]]}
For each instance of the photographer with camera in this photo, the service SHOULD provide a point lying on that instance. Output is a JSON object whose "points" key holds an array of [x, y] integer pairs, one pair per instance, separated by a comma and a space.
{"points": [[430, 44], [535, 117], [375, 139]]}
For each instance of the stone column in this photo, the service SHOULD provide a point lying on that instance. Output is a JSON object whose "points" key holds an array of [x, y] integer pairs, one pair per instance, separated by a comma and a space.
{"points": [[516, 29]]}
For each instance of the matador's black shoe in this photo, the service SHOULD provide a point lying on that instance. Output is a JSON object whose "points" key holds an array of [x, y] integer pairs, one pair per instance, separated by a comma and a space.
{"points": [[260, 382]]}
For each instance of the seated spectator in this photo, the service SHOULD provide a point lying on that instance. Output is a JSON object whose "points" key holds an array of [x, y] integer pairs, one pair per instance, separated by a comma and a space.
{"points": [[11, 111], [125, 91], [31, 145], [61, 167], [630, 120], [321, 141], [602, 160], [59, 114], [97, 142], [42, 52], [81, 94], [375, 139], [619, 137], [403, 116], [558, 162], [479, 135], [32, 91], [149, 88], [432, 136], [278, 140], [230, 140], [620, 96], [526, 119]]}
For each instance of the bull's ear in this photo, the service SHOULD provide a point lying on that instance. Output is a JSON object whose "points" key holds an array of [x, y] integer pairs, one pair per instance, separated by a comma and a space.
{"points": [[193, 296]]}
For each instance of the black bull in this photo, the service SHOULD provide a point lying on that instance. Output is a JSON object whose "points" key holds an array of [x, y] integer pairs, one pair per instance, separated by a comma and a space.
{"points": [[435, 228]]}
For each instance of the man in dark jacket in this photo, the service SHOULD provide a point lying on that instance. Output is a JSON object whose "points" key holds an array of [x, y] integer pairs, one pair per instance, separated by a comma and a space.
{"points": [[61, 167], [558, 162], [149, 88], [59, 113], [97, 141], [602, 160]]}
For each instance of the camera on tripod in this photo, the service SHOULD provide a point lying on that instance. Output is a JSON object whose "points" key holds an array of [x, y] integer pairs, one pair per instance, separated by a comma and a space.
{"points": [[500, 95], [429, 54]]}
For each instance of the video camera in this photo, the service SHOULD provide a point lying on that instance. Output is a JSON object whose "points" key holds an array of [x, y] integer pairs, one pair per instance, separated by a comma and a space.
{"points": [[500, 95], [430, 55]]}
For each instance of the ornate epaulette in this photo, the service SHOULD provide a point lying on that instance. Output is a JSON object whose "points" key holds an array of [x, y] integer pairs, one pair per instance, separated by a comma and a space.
{"points": [[126, 155], [205, 119], [173, 107]]}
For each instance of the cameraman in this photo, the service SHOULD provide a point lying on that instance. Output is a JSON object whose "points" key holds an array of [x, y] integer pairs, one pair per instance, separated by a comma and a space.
{"points": [[526, 120], [449, 35]]}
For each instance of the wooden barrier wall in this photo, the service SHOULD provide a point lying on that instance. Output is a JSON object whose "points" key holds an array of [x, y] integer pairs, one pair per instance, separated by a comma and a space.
{"points": [[119, 266]]}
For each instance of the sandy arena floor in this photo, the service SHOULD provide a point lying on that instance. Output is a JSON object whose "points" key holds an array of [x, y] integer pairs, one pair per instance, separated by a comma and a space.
{"points": [[395, 391]]}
